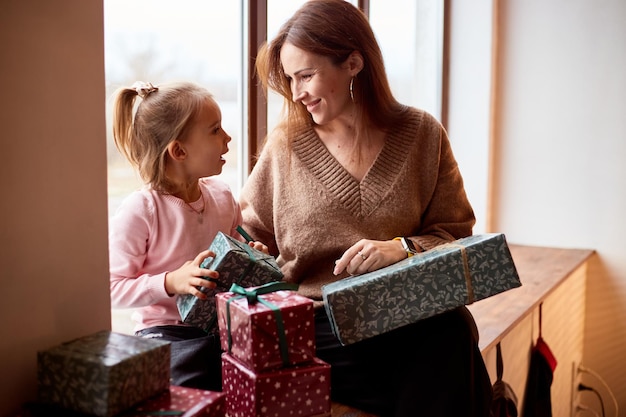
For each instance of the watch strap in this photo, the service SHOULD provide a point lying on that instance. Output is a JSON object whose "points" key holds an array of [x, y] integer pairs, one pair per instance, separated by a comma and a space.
{"points": [[408, 245]]}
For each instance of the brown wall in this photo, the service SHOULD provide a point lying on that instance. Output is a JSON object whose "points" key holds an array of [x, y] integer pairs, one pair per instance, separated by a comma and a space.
{"points": [[559, 167], [53, 232]]}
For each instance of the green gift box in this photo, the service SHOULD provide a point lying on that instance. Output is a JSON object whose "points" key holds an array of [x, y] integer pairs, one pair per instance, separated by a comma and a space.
{"points": [[237, 263], [104, 373], [429, 283]]}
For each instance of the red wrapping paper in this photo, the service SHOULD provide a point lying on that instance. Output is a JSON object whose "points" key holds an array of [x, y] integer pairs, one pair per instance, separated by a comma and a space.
{"points": [[302, 390], [254, 331], [190, 402]]}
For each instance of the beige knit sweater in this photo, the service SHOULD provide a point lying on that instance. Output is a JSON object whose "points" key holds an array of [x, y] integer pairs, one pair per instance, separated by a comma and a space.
{"points": [[309, 209]]}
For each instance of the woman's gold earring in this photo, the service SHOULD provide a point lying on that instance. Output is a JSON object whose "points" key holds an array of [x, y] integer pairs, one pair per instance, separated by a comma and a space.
{"points": [[351, 89]]}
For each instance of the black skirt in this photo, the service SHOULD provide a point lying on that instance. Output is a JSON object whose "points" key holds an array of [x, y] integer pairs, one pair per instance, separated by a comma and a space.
{"points": [[430, 368], [195, 356]]}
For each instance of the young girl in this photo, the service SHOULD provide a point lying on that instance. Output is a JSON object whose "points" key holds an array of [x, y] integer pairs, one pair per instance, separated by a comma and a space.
{"points": [[160, 234]]}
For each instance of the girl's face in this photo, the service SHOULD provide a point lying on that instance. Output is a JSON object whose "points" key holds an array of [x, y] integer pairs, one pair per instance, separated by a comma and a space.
{"points": [[323, 88], [206, 142]]}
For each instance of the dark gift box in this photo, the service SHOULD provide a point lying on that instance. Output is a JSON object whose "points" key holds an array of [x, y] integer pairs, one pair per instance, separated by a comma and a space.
{"points": [[429, 283], [104, 373], [267, 327], [236, 263], [302, 390], [183, 402]]}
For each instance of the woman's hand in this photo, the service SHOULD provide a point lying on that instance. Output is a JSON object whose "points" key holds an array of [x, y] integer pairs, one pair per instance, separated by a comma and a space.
{"points": [[369, 255], [260, 247], [188, 277]]}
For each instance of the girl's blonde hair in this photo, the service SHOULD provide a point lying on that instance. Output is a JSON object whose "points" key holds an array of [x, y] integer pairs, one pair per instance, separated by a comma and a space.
{"points": [[143, 129]]}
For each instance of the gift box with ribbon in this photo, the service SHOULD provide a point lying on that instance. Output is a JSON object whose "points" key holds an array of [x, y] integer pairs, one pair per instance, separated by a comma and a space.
{"points": [[301, 390], [104, 373], [266, 327], [183, 402], [429, 283], [236, 263]]}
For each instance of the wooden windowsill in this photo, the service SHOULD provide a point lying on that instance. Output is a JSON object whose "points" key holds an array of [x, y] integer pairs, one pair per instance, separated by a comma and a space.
{"points": [[541, 271]]}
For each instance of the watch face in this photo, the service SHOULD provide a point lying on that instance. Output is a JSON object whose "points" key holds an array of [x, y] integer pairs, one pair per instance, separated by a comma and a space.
{"points": [[408, 245]]}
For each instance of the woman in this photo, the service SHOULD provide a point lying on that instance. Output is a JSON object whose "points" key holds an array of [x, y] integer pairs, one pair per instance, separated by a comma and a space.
{"points": [[342, 179]]}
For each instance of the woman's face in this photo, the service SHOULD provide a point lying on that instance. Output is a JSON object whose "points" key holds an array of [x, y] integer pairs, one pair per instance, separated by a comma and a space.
{"points": [[323, 88]]}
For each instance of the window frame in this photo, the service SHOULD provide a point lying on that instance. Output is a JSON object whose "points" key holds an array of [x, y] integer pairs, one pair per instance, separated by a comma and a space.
{"points": [[255, 12]]}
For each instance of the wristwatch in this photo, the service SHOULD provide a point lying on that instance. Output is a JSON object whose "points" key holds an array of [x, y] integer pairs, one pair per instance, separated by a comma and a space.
{"points": [[408, 246]]}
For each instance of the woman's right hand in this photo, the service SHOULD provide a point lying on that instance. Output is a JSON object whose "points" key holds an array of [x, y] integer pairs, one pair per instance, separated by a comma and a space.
{"points": [[188, 277], [369, 255]]}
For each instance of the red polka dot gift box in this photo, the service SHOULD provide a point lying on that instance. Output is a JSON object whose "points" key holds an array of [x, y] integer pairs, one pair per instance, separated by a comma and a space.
{"points": [[297, 391], [266, 327], [183, 402]]}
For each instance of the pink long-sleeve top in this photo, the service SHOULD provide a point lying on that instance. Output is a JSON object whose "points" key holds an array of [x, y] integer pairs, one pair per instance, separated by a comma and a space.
{"points": [[153, 233]]}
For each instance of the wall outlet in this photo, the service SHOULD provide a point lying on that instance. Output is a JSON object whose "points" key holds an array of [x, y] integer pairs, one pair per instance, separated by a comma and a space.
{"points": [[576, 380]]}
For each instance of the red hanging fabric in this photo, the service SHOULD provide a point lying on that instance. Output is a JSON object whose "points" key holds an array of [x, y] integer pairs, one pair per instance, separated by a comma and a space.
{"points": [[537, 398]]}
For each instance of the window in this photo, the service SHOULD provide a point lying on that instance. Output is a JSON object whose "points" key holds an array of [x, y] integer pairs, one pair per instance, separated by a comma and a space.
{"points": [[164, 40], [410, 34], [206, 42], [202, 41]]}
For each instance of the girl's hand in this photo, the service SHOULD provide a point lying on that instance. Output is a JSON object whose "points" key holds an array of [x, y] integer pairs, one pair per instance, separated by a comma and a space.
{"points": [[185, 279], [260, 247], [369, 255]]}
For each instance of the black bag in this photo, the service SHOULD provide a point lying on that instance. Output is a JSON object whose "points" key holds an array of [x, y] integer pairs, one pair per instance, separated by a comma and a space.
{"points": [[504, 399], [537, 401]]}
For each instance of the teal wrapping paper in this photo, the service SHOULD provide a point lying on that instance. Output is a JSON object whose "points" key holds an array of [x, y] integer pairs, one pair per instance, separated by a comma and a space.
{"points": [[103, 374], [429, 283], [237, 263]]}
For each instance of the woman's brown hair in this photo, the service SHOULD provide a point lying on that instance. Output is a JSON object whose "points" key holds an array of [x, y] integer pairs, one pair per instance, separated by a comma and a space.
{"points": [[333, 29]]}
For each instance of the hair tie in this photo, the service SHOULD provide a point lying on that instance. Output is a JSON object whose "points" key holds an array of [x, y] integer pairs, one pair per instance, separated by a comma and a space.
{"points": [[144, 89]]}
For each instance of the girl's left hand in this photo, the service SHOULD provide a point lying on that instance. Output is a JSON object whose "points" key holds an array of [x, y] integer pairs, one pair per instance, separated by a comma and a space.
{"points": [[190, 276], [369, 255]]}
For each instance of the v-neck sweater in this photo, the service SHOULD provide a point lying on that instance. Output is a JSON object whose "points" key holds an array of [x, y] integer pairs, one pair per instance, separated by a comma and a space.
{"points": [[302, 203]]}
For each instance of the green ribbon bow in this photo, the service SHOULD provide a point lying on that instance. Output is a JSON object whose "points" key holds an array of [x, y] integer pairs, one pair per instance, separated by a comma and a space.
{"points": [[252, 297]]}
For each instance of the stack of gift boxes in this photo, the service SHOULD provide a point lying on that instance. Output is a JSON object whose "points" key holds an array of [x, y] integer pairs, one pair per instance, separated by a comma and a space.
{"points": [[269, 367], [267, 332]]}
